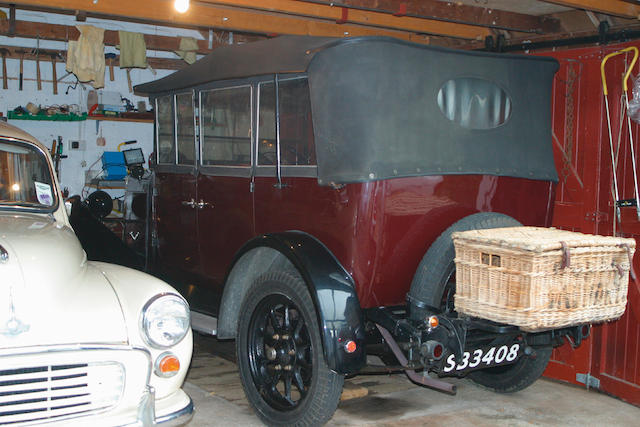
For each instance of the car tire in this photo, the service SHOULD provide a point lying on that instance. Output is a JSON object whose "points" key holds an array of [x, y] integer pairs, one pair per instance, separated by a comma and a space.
{"points": [[434, 285], [279, 348], [516, 377]]}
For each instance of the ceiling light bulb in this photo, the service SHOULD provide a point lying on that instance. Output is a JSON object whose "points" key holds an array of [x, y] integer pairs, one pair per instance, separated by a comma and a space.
{"points": [[181, 5]]}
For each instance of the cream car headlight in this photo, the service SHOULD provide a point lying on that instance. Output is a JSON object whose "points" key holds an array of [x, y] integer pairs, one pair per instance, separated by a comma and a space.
{"points": [[165, 320]]}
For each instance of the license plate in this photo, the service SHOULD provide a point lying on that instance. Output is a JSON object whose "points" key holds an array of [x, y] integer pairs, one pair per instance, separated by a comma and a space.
{"points": [[482, 358]]}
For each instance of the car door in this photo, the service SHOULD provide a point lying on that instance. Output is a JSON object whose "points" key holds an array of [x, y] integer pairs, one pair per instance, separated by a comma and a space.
{"points": [[225, 199], [287, 195], [176, 192]]}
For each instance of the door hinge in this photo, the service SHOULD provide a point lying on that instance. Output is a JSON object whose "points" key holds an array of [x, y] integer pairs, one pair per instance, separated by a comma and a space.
{"points": [[588, 380]]}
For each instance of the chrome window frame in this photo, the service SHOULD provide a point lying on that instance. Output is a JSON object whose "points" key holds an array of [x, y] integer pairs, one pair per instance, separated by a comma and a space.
{"points": [[246, 171], [54, 183], [195, 136], [243, 171], [287, 171], [164, 167]]}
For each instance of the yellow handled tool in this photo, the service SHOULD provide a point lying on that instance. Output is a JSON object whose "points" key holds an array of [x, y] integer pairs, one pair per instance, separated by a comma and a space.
{"points": [[626, 74], [625, 87]]}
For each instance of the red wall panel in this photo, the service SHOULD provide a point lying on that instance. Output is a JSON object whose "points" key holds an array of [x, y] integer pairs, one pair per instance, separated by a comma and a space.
{"points": [[585, 202]]}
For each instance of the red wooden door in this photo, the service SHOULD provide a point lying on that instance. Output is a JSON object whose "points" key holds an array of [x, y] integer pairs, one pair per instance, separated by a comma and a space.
{"points": [[574, 194], [610, 359]]}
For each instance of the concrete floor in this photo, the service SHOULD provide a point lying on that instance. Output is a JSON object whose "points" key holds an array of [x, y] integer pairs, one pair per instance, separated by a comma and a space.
{"points": [[392, 400]]}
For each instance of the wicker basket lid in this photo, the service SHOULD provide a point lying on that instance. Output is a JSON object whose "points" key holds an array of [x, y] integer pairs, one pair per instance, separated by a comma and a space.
{"points": [[538, 239]]}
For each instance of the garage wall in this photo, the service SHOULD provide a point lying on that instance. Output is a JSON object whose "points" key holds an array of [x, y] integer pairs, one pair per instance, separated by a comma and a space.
{"points": [[610, 359], [74, 168]]}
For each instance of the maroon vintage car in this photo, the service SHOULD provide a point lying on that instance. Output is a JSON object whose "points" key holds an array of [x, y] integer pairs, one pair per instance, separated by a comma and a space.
{"points": [[306, 192]]}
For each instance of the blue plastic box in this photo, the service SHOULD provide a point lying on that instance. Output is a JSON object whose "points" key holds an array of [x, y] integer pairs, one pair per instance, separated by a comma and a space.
{"points": [[113, 166]]}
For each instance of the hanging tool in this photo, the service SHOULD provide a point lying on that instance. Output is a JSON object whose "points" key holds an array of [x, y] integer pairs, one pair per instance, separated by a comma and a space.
{"points": [[100, 141], [133, 141], [109, 57], [54, 56], [625, 87], [37, 53], [56, 151], [4, 53], [129, 80], [21, 53]]}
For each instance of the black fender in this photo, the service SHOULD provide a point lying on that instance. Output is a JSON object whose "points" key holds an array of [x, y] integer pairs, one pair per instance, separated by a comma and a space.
{"points": [[333, 292]]}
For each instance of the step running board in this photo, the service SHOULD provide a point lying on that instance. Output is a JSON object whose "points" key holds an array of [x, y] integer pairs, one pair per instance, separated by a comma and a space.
{"points": [[204, 324]]}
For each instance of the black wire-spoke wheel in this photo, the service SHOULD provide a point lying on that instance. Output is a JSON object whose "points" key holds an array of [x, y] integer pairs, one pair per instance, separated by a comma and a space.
{"points": [[280, 354], [279, 347], [447, 303]]}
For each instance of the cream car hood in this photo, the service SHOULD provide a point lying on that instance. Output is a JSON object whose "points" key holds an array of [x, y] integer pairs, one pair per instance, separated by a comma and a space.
{"points": [[49, 293]]}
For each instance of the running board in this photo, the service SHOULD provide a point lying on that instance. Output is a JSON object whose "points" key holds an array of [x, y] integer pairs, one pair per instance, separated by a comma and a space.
{"points": [[204, 324]]}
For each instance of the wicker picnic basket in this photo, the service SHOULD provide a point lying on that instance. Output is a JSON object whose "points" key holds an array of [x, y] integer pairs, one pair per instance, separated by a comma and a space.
{"points": [[541, 278]]}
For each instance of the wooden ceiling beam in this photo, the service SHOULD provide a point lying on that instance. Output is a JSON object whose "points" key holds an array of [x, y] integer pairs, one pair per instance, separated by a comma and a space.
{"points": [[472, 15], [209, 16], [608, 7], [381, 19]]}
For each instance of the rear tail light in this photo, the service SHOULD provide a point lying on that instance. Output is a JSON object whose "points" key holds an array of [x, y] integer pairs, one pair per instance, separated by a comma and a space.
{"points": [[432, 350], [350, 346]]}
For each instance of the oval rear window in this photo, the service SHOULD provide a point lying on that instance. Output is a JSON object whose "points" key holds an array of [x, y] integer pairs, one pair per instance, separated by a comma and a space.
{"points": [[474, 103]]}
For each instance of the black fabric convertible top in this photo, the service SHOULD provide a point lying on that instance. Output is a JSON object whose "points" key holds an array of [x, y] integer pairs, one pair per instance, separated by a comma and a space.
{"points": [[377, 105], [284, 54]]}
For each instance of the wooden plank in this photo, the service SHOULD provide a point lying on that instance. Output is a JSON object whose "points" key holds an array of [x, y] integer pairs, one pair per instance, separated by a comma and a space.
{"points": [[472, 15], [45, 56], [357, 16], [609, 7], [209, 16], [567, 215], [58, 32]]}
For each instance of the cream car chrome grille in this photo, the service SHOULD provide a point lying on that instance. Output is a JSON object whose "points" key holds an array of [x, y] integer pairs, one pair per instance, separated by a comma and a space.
{"points": [[33, 393]]}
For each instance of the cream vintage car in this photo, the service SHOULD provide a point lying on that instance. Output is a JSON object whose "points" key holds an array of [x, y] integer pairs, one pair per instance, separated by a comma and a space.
{"points": [[81, 342]]}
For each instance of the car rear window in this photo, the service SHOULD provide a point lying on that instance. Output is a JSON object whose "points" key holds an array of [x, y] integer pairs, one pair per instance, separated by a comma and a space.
{"points": [[474, 103]]}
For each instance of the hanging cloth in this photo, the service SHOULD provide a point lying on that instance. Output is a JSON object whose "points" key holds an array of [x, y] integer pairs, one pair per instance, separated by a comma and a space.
{"points": [[85, 57], [187, 49], [133, 50]]}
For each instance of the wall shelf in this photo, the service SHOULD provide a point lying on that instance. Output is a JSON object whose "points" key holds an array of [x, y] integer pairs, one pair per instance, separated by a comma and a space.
{"points": [[74, 118], [44, 117], [119, 119]]}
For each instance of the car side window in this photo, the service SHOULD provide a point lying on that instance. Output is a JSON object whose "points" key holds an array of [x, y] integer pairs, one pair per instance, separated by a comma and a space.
{"points": [[226, 126], [165, 130], [185, 129], [296, 131]]}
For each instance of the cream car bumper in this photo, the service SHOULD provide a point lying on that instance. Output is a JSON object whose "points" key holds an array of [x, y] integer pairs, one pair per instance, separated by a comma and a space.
{"points": [[174, 410], [97, 386]]}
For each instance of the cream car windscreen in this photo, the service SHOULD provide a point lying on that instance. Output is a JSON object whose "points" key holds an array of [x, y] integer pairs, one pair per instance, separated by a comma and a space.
{"points": [[25, 177]]}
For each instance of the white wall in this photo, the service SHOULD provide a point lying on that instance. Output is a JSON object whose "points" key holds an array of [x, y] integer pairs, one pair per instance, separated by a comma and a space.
{"points": [[73, 168]]}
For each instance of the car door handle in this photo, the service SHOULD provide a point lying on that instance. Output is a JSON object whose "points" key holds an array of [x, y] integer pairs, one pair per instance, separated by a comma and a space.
{"points": [[191, 203], [202, 204]]}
